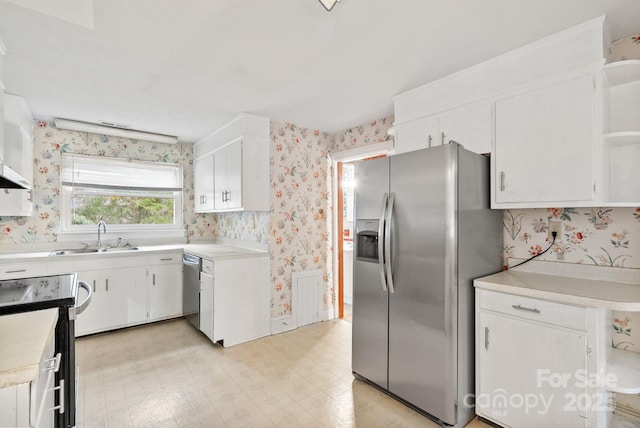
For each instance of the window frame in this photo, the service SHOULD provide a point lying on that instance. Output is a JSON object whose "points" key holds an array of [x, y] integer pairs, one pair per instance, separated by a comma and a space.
{"points": [[168, 230]]}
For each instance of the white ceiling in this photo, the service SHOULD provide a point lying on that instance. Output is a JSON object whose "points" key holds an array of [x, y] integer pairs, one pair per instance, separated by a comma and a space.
{"points": [[186, 67]]}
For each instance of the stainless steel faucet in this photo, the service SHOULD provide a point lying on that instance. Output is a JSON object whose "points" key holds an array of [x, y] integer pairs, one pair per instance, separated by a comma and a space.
{"points": [[104, 230]]}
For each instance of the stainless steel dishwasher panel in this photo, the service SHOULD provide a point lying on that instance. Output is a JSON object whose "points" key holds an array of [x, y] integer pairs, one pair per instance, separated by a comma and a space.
{"points": [[191, 288]]}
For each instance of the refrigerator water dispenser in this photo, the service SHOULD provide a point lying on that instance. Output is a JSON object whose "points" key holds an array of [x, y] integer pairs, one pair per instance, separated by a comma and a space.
{"points": [[367, 240]]}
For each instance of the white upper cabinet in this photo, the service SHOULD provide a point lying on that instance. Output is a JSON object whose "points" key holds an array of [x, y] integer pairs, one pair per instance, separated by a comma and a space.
{"points": [[203, 184], [228, 178], [469, 125], [543, 151], [563, 130], [2, 52], [18, 155], [240, 171]]}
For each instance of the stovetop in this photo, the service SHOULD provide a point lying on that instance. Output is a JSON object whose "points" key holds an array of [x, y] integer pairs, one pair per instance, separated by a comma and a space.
{"points": [[43, 292]]}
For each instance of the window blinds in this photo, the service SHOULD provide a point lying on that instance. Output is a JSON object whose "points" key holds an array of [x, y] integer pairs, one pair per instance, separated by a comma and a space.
{"points": [[117, 173]]}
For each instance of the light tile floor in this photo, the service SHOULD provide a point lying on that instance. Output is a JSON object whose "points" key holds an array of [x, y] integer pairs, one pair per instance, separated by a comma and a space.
{"points": [[169, 375]]}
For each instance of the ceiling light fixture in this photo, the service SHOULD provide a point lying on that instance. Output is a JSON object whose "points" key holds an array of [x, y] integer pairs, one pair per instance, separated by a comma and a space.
{"points": [[114, 130], [328, 4]]}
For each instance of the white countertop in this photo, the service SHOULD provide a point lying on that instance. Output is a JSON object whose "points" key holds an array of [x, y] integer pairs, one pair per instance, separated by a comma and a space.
{"points": [[608, 291], [23, 337], [208, 251]]}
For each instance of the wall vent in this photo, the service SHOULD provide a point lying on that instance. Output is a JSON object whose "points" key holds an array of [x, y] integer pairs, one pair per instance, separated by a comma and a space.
{"points": [[306, 297]]}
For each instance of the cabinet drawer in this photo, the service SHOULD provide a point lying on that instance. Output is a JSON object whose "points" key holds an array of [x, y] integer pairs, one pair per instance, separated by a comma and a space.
{"points": [[164, 258], [534, 309], [207, 267], [21, 270]]}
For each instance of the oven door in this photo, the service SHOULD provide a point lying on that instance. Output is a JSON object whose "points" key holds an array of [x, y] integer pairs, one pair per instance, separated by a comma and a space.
{"points": [[68, 375]]}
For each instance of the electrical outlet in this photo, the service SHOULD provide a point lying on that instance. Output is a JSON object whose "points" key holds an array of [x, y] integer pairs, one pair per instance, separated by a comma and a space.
{"points": [[555, 226]]}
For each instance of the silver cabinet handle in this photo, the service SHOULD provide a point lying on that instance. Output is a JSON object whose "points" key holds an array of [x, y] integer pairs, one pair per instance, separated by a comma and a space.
{"points": [[524, 308], [387, 242], [16, 271], [107, 284], [54, 363], [167, 259], [430, 140], [60, 389], [385, 199], [154, 279], [502, 177], [94, 285], [486, 338], [442, 136]]}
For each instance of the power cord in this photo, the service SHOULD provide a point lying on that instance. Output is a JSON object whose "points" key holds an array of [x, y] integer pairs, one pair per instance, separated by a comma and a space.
{"points": [[553, 235]]}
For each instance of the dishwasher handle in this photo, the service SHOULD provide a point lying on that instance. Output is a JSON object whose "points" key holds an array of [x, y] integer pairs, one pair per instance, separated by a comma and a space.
{"points": [[188, 259]]}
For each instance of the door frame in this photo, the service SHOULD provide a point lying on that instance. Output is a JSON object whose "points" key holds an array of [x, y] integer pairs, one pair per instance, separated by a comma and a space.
{"points": [[337, 158]]}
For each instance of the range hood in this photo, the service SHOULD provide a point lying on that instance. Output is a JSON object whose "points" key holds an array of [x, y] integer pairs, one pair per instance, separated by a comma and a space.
{"points": [[9, 179]]}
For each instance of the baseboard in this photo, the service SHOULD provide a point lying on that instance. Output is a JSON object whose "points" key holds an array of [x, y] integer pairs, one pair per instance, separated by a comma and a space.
{"points": [[282, 324]]}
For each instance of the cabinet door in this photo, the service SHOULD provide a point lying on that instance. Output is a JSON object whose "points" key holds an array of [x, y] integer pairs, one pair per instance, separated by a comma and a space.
{"points": [[165, 291], [126, 296], [206, 305], [92, 319], [220, 180], [468, 125], [544, 145], [228, 177], [242, 308], [519, 369], [416, 134], [233, 154], [203, 183]]}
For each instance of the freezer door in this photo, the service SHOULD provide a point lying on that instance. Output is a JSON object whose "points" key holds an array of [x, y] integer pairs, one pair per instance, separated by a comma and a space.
{"points": [[422, 314], [370, 300]]}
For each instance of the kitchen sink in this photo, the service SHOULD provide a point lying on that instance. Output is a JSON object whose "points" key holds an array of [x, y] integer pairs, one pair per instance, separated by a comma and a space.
{"points": [[91, 250], [117, 249]]}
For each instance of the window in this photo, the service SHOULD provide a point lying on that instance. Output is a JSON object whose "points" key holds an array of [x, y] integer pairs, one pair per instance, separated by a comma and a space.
{"points": [[130, 195]]}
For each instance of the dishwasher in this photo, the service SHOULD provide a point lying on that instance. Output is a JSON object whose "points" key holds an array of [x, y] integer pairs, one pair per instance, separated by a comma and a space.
{"points": [[191, 266]]}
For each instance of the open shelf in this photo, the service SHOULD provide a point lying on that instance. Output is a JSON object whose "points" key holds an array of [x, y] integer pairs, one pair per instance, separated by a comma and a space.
{"points": [[626, 366], [622, 72]]}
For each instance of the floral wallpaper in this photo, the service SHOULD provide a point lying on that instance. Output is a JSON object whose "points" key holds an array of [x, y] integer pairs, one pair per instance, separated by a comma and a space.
{"points": [[369, 133], [50, 143], [625, 48], [244, 226], [300, 210], [593, 236]]}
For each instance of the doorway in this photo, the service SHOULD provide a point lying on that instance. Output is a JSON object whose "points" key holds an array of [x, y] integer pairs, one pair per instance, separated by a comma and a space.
{"points": [[344, 184], [346, 189]]}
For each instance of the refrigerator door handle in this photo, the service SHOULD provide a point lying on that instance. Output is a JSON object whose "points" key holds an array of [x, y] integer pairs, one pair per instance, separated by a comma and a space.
{"points": [[387, 242], [385, 199]]}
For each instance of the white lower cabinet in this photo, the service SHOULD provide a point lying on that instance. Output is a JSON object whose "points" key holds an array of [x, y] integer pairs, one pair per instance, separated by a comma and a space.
{"points": [[165, 286], [531, 362], [32, 404], [127, 290], [235, 300], [119, 299], [207, 323]]}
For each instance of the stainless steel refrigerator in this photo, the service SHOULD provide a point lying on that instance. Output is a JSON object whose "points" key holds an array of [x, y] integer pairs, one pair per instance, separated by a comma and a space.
{"points": [[424, 231]]}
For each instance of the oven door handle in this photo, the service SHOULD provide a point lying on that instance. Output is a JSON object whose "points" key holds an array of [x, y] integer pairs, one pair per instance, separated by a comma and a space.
{"points": [[82, 306]]}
